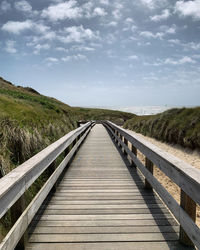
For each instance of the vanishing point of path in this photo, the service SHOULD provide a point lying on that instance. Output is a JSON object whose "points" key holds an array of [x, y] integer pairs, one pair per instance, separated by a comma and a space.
{"points": [[101, 204]]}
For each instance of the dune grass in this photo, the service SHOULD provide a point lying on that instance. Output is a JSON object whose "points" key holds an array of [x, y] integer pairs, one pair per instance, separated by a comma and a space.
{"points": [[177, 126]]}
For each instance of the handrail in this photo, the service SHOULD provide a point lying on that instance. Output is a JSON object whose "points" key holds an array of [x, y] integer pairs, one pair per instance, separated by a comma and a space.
{"points": [[183, 174], [14, 184]]}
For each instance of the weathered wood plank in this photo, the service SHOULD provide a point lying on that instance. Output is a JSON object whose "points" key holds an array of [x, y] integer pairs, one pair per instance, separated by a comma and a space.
{"points": [[103, 237], [109, 246], [124, 229], [107, 223]]}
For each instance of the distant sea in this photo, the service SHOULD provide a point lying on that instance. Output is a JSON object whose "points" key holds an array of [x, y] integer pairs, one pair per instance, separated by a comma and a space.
{"points": [[145, 110]]}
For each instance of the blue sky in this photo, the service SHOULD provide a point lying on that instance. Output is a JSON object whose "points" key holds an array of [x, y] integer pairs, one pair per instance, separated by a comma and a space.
{"points": [[104, 53]]}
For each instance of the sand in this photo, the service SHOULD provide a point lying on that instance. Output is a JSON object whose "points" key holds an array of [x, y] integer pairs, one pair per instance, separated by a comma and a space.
{"points": [[190, 156]]}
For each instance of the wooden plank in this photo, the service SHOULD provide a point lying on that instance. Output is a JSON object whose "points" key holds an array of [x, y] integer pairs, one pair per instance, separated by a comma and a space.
{"points": [[105, 217], [108, 246], [103, 206], [87, 230], [103, 211], [103, 237], [106, 223], [106, 202]]}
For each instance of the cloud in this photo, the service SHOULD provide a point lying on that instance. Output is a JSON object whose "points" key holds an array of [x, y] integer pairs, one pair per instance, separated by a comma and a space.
{"points": [[62, 11], [77, 57], [163, 16], [40, 47], [149, 34], [165, 30], [106, 2], [117, 13], [168, 30], [10, 47], [78, 34], [189, 8], [16, 27], [133, 57], [5, 6], [52, 59], [152, 4], [82, 48], [174, 41], [99, 12], [185, 59], [23, 6]]}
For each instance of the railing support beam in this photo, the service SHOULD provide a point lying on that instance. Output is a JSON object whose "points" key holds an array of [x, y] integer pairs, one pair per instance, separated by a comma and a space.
{"points": [[134, 150], [190, 207], [16, 210], [149, 166]]}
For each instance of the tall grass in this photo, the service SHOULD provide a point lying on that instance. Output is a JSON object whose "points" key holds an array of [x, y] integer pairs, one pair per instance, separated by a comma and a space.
{"points": [[178, 126]]}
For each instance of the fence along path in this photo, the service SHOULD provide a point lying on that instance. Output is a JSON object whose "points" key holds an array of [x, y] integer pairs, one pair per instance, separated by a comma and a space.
{"points": [[102, 204]]}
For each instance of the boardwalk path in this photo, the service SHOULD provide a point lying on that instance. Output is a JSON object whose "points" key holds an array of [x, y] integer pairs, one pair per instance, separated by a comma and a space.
{"points": [[100, 205]]}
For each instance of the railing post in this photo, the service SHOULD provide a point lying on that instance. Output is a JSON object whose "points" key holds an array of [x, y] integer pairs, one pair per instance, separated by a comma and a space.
{"points": [[117, 133], [126, 143], [134, 150], [51, 169], [190, 208], [149, 166], [16, 210], [120, 136]]}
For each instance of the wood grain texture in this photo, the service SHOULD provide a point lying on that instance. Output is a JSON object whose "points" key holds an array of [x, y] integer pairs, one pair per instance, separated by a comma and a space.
{"points": [[99, 205]]}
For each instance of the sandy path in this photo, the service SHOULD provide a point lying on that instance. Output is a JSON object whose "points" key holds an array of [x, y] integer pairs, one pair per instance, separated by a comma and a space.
{"points": [[187, 155]]}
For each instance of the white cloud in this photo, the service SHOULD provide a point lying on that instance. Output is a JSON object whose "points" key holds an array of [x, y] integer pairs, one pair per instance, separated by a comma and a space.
{"points": [[189, 8], [117, 13], [23, 6], [175, 41], [77, 57], [164, 31], [78, 34], [133, 57], [99, 12], [52, 59], [185, 59], [82, 48], [61, 11], [62, 49], [106, 2], [163, 16], [152, 4], [17, 27], [168, 30], [5, 6], [40, 47], [149, 34], [10, 47]]}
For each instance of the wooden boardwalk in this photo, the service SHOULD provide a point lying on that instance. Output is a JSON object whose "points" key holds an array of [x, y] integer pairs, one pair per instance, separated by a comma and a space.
{"points": [[100, 203]]}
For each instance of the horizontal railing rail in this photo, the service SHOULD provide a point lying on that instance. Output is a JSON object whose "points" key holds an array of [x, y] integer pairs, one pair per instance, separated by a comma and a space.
{"points": [[181, 173], [14, 184]]}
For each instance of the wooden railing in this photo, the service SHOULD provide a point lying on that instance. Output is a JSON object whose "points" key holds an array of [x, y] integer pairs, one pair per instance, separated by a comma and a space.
{"points": [[14, 184], [181, 173]]}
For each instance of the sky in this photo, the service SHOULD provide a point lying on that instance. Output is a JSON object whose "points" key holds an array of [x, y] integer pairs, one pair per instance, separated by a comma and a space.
{"points": [[104, 53]]}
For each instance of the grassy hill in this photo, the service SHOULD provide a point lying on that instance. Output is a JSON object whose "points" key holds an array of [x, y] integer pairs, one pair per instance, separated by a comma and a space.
{"points": [[30, 121], [179, 126]]}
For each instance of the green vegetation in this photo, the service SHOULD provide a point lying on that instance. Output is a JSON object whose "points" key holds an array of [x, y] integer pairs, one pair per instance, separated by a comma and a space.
{"points": [[30, 122], [179, 126]]}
